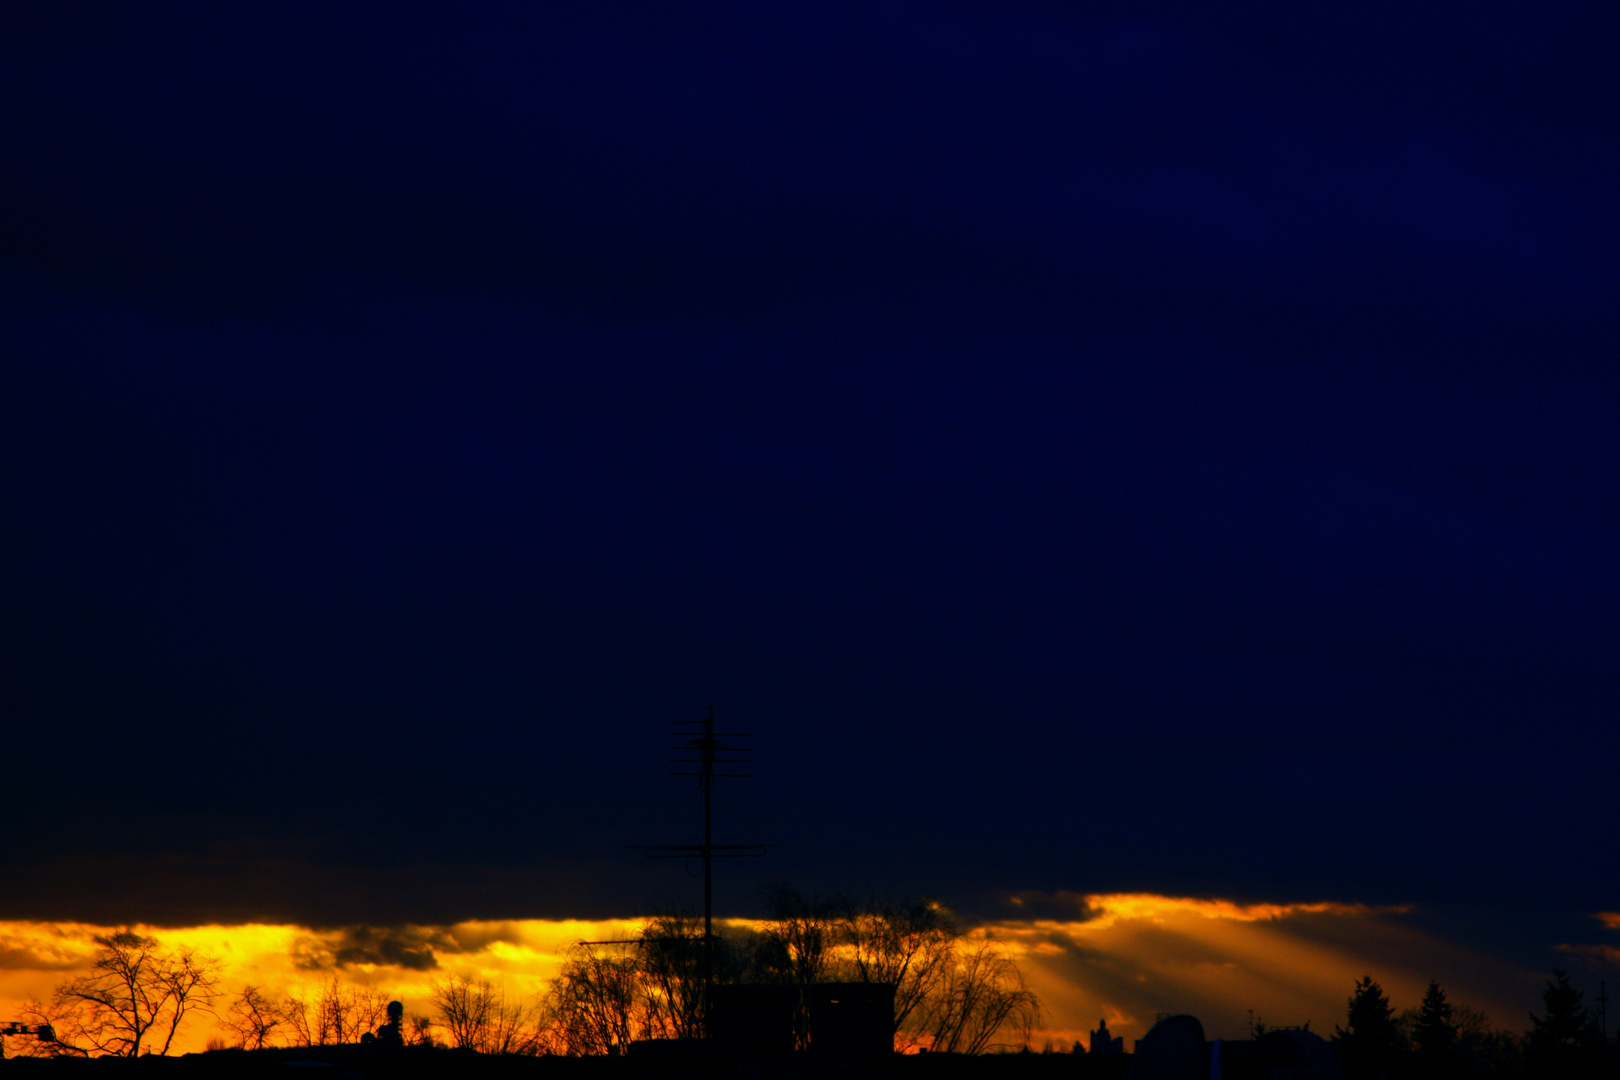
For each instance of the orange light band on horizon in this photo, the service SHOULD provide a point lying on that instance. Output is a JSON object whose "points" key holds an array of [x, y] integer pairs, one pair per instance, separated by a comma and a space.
{"points": [[1123, 957]]}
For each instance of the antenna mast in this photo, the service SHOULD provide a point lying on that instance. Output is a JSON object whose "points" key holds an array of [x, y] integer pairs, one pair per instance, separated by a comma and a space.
{"points": [[706, 744]]}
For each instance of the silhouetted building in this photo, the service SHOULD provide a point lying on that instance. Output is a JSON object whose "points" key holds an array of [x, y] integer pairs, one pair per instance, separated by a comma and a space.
{"points": [[851, 1020], [1173, 1050], [42, 1032], [1290, 1053], [1176, 1050], [1104, 1043], [753, 1019], [388, 1036]]}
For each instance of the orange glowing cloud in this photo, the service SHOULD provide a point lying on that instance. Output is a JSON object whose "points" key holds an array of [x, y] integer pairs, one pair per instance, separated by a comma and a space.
{"points": [[402, 962], [1597, 956], [1125, 957], [1129, 957]]}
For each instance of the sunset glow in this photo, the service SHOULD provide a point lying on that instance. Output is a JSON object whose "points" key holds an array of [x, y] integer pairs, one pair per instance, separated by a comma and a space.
{"points": [[488, 479], [1123, 957], [521, 956], [1128, 957]]}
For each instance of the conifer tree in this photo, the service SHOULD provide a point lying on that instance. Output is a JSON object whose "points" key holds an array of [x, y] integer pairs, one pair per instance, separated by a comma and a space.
{"points": [[1369, 1046], [1433, 1032], [1566, 1042]]}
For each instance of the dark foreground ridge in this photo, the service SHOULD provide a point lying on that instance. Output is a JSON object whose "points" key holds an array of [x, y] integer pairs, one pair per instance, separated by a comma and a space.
{"points": [[690, 1063]]}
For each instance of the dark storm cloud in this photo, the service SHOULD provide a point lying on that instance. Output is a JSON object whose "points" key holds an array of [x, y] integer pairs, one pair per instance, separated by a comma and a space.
{"points": [[1037, 906], [477, 937], [169, 888], [1097, 442], [409, 947], [13, 959]]}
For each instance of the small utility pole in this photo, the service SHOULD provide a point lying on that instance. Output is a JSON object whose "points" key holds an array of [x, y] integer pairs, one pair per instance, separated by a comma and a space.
{"points": [[706, 744]]}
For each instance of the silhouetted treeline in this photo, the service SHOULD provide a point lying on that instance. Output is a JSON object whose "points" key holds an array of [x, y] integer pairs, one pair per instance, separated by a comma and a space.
{"points": [[1442, 1040], [951, 992]]}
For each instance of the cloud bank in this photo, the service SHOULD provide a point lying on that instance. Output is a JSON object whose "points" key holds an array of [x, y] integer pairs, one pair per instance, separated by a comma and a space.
{"points": [[1125, 957]]}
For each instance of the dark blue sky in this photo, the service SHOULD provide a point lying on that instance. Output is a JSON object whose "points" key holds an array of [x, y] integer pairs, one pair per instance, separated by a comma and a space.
{"points": [[1125, 450]]}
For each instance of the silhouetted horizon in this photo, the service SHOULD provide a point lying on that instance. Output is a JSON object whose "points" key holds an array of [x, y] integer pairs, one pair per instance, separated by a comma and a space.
{"points": [[1094, 452]]}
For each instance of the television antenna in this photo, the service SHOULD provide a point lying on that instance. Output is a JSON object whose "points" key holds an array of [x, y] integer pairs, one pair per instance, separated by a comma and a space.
{"points": [[706, 748]]}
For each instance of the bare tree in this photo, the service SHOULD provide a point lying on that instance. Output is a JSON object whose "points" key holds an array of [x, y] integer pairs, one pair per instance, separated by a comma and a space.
{"points": [[463, 1006], [803, 933], [479, 1016], [419, 1031], [352, 1011], [596, 1005], [910, 945], [950, 994], [981, 993], [297, 1013], [136, 997], [798, 948], [253, 1017], [669, 957], [36, 1012], [513, 1027], [341, 1014]]}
